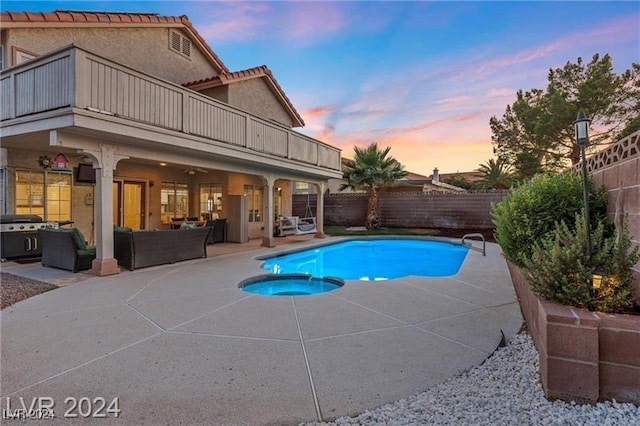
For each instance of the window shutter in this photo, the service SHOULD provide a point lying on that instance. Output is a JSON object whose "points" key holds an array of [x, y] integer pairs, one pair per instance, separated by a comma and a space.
{"points": [[179, 43], [175, 41], [186, 46]]}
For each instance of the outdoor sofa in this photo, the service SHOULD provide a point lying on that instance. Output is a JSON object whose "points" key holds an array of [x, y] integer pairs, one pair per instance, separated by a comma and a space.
{"points": [[138, 249], [65, 249], [219, 230]]}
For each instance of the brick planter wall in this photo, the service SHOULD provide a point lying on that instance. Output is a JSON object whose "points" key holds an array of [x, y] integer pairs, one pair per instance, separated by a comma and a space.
{"points": [[584, 356]]}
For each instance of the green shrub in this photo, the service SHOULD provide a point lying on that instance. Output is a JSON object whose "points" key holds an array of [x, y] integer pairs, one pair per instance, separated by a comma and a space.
{"points": [[531, 212], [560, 270]]}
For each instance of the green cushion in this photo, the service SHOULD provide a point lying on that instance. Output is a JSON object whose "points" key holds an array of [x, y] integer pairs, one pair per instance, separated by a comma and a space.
{"points": [[186, 225], [121, 229], [91, 251], [81, 243]]}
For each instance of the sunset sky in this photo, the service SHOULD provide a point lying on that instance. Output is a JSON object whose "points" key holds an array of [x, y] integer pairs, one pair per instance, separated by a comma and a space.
{"points": [[421, 77]]}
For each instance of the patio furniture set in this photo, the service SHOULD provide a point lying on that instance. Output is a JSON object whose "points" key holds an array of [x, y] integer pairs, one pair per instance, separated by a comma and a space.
{"points": [[67, 248]]}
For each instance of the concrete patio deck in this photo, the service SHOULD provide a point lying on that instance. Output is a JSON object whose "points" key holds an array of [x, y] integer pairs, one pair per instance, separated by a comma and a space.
{"points": [[181, 344]]}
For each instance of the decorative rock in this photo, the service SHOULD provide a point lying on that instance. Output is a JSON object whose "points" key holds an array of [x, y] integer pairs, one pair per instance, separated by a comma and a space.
{"points": [[504, 390]]}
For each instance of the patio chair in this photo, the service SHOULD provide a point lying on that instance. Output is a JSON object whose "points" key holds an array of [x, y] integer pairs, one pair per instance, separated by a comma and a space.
{"points": [[65, 249], [219, 231]]}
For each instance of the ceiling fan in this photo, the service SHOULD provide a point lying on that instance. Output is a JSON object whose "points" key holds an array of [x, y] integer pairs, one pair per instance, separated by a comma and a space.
{"points": [[193, 170]]}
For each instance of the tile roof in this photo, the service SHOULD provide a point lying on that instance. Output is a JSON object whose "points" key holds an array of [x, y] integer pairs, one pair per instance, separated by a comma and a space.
{"points": [[66, 17], [261, 71]]}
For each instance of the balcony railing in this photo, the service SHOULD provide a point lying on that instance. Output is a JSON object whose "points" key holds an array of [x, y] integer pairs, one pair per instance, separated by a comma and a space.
{"points": [[74, 77]]}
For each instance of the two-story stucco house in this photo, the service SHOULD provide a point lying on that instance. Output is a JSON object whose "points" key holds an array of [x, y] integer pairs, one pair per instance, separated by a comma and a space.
{"points": [[167, 129]]}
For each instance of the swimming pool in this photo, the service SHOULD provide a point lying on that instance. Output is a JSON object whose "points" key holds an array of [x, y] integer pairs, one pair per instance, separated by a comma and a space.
{"points": [[373, 259]]}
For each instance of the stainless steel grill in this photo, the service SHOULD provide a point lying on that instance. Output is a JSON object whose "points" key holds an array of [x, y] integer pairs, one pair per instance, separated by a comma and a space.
{"points": [[19, 235]]}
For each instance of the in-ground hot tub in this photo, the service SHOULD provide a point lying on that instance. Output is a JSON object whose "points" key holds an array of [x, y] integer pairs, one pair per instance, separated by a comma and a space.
{"points": [[290, 285]]}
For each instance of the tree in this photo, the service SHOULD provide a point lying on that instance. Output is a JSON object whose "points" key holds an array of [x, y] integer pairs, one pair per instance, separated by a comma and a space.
{"points": [[496, 175], [536, 133], [370, 170]]}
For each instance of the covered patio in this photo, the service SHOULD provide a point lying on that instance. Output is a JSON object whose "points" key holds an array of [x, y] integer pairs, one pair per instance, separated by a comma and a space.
{"points": [[144, 134]]}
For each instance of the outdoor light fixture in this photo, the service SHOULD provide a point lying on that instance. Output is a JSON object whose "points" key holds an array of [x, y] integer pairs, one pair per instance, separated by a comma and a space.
{"points": [[582, 140], [582, 129], [596, 280]]}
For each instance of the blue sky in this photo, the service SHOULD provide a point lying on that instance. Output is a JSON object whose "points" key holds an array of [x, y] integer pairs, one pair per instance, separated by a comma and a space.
{"points": [[421, 77]]}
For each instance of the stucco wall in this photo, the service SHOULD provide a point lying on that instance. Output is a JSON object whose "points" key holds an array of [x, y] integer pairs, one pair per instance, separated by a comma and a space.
{"points": [[220, 93], [145, 49], [257, 98]]}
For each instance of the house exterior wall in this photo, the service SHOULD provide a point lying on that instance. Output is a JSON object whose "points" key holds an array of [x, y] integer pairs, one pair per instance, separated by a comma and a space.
{"points": [[220, 93], [255, 97], [145, 49]]}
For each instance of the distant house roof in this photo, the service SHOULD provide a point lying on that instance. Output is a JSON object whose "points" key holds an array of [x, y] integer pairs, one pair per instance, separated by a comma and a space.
{"points": [[472, 176], [414, 176], [63, 18], [416, 182], [261, 71]]}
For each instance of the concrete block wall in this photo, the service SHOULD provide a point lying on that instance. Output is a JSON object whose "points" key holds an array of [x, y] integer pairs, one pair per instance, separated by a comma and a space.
{"points": [[618, 168], [409, 210]]}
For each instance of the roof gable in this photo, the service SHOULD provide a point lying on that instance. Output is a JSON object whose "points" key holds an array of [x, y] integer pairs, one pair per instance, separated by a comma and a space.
{"points": [[261, 71], [64, 18]]}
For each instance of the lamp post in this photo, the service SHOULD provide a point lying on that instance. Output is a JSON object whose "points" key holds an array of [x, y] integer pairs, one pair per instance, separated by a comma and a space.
{"points": [[582, 140]]}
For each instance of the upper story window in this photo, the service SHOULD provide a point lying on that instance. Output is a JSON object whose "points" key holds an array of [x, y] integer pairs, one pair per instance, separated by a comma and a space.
{"points": [[179, 43]]}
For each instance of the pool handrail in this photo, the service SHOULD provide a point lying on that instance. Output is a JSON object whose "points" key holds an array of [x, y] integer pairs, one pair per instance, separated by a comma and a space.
{"points": [[482, 250]]}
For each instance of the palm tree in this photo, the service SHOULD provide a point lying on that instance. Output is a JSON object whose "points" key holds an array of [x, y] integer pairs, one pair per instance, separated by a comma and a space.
{"points": [[497, 175], [370, 170]]}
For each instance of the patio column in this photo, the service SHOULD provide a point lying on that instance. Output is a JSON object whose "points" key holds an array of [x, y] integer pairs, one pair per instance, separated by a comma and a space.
{"points": [[320, 187], [104, 161], [267, 209]]}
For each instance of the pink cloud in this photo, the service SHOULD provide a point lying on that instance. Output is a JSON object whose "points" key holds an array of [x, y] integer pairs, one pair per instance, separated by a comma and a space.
{"points": [[501, 93], [318, 112], [454, 143], [365, 114], [308, 20], [233, 21], [294, 22]]}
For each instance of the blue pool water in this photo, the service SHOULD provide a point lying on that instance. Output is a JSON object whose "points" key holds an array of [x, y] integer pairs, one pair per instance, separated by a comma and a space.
{"points": [[289, 285], [375, 259]]}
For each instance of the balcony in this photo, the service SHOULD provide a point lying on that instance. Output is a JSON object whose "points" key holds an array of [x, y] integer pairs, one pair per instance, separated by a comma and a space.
{"points": [[74, 79]]}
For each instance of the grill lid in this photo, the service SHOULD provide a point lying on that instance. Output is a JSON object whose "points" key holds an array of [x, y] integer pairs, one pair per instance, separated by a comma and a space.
{"points": [[20, 218]]}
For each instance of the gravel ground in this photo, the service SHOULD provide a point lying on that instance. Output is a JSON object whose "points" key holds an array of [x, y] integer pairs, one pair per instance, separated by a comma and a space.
{"points": [[14, 288], [505, 390]]}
